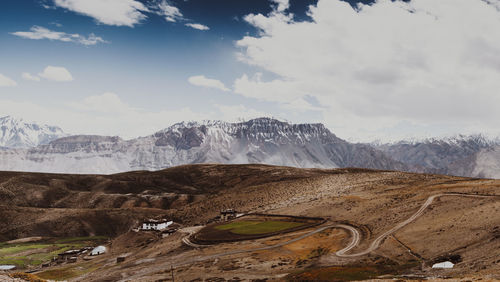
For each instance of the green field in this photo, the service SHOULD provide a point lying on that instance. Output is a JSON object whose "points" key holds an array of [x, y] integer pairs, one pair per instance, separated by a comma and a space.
{"points": [[258, 227], [35, 253]]}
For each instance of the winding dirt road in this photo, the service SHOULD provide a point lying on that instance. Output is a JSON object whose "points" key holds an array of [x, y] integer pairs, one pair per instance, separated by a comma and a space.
{"points": [[356, 236], [376, 243]]}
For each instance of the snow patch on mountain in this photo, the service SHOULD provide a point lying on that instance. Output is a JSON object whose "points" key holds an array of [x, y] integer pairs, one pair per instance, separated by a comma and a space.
{"points": [[16, 133]]}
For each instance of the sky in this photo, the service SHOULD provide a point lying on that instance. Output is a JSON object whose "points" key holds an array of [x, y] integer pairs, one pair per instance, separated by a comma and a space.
{"points": [[370, 70]]}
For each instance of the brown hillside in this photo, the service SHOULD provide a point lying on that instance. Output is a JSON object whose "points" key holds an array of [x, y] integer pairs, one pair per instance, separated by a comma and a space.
{"points": [[83, 203], [462, 224]]}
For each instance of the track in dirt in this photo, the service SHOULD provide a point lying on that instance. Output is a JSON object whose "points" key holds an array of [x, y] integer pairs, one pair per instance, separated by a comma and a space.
{"points": [[356, 236], [376, 243]]}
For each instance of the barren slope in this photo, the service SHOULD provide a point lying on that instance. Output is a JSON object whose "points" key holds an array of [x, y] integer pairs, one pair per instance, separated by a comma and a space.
{"points": [[456, 224], [50, 200]]}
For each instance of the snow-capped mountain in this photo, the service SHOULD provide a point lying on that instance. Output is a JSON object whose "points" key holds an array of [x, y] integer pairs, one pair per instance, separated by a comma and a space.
{"points": [[458, 155], [261, 140], [16, 133]]}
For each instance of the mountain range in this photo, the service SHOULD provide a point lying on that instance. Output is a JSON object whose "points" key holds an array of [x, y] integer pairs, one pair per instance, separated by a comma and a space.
{"points": [[31, 147]]}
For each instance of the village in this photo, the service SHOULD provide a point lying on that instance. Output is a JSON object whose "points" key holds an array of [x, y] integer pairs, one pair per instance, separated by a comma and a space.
{"points": [[159, 226], [219, 230]]}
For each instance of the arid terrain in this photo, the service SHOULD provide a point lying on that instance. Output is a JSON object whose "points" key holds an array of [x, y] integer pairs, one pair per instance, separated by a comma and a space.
{"points": [[377, 224]]}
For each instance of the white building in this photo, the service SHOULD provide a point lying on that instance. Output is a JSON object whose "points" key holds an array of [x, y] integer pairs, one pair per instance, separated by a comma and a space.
{"points": [[99, 250], [7, 267], [156, 224], [444, 264]]}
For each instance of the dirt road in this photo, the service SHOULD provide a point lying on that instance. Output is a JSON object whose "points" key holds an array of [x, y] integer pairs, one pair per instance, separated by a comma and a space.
{"points": [[376, 243], [356, 238]]}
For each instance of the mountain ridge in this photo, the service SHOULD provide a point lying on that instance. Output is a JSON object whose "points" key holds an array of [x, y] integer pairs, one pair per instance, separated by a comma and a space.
{"points": [[261, 140]]}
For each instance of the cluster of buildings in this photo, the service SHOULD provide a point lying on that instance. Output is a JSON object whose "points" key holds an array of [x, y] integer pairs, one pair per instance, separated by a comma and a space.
{"points": [[168, 226], [72, 255]]}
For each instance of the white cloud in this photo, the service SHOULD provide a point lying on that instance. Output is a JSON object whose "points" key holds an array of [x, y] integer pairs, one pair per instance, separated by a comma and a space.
{"points": [[92, 39], [169, 12], [56, 74], [6, 82], [281, 5], [201, 80], [109, 12], [422, 61], [124, 12], [197, 26], [29, 76], [38, 32]]}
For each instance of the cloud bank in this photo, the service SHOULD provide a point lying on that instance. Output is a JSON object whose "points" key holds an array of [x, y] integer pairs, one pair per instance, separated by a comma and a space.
{"points": [[424, 61]]}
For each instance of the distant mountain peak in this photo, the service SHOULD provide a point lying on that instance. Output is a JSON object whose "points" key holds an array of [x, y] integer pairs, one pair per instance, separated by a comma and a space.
{"points": [[17, 133]]}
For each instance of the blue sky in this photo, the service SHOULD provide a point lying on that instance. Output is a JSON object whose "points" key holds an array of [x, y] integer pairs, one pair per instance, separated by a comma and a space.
{"points": [[368, 71]]}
